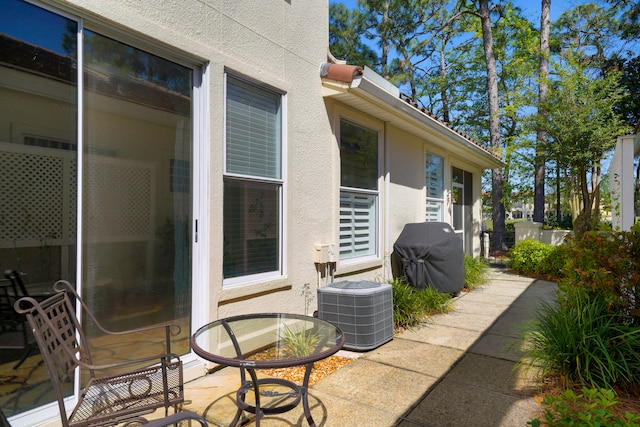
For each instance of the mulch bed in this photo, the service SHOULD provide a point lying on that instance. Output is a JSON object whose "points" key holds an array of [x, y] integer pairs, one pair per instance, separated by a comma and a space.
{"points": [[295, 374]]}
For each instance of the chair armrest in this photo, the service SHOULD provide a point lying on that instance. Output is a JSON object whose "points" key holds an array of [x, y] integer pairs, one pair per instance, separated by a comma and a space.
{"points": [[171, 326], [63, 285], [157, 358], [170, 330], [176, 418]]}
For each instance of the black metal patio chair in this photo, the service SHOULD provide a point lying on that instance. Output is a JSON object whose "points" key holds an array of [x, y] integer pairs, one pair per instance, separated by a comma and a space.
{"points": [[13, 326], [104, 400], [14, 331], [16, 278]]}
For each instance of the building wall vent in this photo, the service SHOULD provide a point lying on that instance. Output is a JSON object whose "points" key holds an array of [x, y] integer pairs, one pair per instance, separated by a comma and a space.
{"points": [[362, 309]]}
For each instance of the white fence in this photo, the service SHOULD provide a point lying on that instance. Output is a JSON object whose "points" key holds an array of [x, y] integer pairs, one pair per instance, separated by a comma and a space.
{"points": [[534, 231]]}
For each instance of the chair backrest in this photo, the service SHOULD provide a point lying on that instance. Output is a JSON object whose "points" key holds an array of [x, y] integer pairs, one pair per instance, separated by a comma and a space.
{"points": [[58, 333]]}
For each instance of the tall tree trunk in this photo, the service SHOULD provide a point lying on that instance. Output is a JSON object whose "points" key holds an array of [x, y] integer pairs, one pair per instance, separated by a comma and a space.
{"points": [[584, 220], [572, 189], [498, 242], [384, 43], [443, 87], [558, 199], [543, 91], [411, 75]]}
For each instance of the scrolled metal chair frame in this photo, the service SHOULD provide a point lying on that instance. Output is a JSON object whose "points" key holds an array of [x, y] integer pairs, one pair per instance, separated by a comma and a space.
{"points": [[104, 400]]}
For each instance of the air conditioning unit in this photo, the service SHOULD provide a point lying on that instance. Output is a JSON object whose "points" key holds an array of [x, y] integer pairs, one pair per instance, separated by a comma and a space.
{"points": [[362, 309]]}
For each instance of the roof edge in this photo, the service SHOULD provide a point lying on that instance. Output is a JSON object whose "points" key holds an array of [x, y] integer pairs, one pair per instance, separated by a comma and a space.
{"points": [[341, 72], [367, 80]]}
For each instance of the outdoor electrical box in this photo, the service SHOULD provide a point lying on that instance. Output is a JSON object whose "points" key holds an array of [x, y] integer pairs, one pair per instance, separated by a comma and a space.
{"points": [[324, 253], [362, 309]]}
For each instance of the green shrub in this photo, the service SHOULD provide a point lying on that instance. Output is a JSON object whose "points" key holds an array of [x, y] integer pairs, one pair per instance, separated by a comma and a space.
{"points": [[411, 305], [579, 339], [534, 257], [566, 223], [406, 312], [608, 264], [476, 272], [433, 301], [593, 408]]}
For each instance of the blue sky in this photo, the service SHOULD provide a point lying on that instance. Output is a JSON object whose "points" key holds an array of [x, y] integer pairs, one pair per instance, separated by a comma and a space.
{"points": [[531, 8]]}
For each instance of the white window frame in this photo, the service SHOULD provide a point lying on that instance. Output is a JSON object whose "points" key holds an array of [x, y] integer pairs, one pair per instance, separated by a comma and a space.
{"points": [[430, 200], [281, 182], [376, 210]]}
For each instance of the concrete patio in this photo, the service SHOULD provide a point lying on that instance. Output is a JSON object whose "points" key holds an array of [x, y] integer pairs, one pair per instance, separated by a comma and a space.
{"points": [[458, 369]]}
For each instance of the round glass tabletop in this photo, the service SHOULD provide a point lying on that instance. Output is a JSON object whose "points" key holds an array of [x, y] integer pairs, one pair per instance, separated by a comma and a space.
{"points": [[267, 340]]}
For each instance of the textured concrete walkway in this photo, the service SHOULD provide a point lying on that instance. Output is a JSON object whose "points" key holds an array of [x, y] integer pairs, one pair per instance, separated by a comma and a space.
{"points": [[458, 369]]}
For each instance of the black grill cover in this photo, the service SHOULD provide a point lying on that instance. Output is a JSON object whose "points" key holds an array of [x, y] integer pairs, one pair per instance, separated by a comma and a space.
{"points": [[429, 253]]}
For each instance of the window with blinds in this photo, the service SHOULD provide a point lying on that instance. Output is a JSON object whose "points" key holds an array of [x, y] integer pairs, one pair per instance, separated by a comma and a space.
{"points": [[253, 130], [358, 191], [434, 184], [358, 224], [253, 181]]}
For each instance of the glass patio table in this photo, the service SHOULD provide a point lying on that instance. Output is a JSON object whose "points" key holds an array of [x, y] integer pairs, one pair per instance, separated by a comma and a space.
{"points": [[265, 341]]}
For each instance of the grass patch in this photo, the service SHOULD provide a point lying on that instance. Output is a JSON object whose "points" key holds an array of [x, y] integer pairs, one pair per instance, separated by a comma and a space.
{"points": [[411, 305], [476, 272], [581, 341]]}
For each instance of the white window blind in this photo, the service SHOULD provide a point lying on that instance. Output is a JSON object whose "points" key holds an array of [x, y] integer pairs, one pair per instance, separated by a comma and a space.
{"points": [[358, 224], [434, 211], [253, 126]]}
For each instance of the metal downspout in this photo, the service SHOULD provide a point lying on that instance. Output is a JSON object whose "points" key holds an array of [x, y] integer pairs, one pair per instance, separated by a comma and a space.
{"points": [[386, 270]]}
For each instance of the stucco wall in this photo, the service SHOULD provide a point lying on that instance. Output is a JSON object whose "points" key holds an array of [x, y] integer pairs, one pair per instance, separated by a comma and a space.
{"points": [[277, 43], [407, 181]]}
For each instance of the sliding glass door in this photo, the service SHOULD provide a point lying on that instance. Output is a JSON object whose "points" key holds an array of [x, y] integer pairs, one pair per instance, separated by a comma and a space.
{"points": [[136, 210], [96, 142]]}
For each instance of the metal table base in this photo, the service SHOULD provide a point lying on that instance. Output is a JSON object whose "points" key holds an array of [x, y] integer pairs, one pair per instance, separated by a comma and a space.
{"points": [[298, 393]]}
